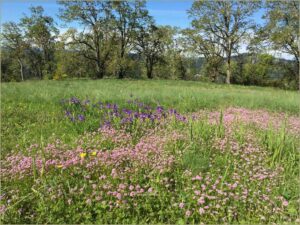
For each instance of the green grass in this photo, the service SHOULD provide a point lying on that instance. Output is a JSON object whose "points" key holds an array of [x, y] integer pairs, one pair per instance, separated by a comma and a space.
{"points": [[233, 158], [31, 112]]}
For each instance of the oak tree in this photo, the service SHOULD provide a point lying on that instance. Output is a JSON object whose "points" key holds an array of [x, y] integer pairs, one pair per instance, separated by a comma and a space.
{"points": [[222, 25]]}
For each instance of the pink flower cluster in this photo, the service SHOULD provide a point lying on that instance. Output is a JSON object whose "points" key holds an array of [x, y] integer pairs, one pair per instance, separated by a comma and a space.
{"points": [[260, 118], [147, 152], [246, 182], [116, 170]]}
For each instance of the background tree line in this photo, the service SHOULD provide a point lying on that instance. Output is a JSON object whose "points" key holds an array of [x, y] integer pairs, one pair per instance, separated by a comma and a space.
{"points": [[120, 39]]}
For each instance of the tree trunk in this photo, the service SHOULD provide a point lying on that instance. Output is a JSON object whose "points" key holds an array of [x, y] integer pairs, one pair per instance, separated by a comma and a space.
{"points": [[99, 71], [21, 69], [149, 72], [121, 73], [299, 75], [214, 74], [298, 67], [149, 67], [228, 70], [40, 73], [99, 74], [298, 62]]}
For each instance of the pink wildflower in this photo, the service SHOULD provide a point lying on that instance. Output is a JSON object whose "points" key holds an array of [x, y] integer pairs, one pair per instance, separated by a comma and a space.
{"points": [[181, 205], [201, 211], [201, 201], [119, 196], [188, 213], [197, 192]]}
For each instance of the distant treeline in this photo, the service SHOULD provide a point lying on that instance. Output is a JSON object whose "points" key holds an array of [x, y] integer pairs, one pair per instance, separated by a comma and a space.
{"points": [[120, 39]]}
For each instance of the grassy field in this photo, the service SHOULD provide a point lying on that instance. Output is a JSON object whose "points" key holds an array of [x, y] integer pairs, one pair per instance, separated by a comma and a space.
{"points": [[112, 151], [31, 111]]}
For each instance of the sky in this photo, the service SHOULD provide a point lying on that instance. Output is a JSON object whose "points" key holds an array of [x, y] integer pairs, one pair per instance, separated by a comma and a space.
{"points": [[165, 12]]}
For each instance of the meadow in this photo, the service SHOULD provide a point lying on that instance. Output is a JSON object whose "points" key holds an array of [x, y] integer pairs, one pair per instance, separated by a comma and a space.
{"points": [[136, 151]]}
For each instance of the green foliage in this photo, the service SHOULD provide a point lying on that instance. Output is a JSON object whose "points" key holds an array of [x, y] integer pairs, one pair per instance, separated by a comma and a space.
{"points": [[71, 64], [40, 32], [129, 18], [30, 44], [95, 46], [120, 39], [14, 41], [257, 70], [10, 69], [282, 30], [282, 26], [151, 42], [219, 27]]}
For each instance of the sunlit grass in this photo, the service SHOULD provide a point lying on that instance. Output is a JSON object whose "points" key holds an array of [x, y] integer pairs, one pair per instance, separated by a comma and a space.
{"points": [[30, 110], [217, 165]]}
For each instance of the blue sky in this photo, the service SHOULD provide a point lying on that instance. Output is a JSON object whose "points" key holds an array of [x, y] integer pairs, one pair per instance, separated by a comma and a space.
{"points": [[165, 12]]}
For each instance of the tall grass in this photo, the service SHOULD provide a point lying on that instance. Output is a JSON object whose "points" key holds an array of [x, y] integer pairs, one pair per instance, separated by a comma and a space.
{"points": [[30, 109], [209, 168]]}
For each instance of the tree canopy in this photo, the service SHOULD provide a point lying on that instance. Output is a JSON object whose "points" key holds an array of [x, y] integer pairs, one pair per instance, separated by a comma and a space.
{"points": [[121, 39]]}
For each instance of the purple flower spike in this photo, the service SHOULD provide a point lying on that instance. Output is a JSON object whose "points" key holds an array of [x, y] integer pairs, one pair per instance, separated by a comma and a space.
{"points": [[127, 111], [67, 113], [74, 100], [172, 111], [159, 109], [81, 118]]}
